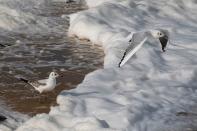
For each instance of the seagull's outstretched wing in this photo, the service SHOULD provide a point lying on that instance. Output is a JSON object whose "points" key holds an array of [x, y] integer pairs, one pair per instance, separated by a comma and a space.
{"points": [[135, 44]]}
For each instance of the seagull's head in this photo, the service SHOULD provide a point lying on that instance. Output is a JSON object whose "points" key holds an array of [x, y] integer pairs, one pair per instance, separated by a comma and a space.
{"points": [[157, 34], [162, 36], [53, 75]]}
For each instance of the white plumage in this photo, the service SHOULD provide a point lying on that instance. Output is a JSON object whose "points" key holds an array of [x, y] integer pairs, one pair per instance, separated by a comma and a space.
{"points": [[138, 39], [44, 85]]}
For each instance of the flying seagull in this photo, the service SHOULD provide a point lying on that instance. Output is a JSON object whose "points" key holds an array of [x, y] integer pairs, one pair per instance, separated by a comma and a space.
{"points": [[138, 39], [45, 85]]}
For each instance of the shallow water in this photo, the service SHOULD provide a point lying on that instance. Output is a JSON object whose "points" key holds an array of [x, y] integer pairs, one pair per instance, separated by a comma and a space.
{"points": [[34, 56]]}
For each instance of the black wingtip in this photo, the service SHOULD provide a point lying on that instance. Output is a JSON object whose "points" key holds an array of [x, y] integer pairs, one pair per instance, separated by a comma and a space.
{"points": [[2, 118], [119, 65], [163, 49], [163, 40], [24, 80], [122, 58]]}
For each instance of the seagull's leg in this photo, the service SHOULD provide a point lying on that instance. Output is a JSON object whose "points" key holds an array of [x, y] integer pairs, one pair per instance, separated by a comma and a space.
{"points": [[35, 93], [46, 97], [42, 98], [54, 92]]}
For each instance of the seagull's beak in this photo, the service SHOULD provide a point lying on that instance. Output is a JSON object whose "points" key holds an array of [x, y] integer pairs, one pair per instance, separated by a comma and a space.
{"points": [[60, 75]]}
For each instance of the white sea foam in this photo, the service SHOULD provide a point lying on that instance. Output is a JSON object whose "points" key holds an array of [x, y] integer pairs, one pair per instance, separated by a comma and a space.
{"points": [[23, 16], [150, 90], [11, 18]]}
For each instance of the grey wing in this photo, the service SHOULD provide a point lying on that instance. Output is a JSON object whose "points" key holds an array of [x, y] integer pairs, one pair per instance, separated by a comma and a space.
{"points": [[133, 42], [42, 81], [36, 84]]}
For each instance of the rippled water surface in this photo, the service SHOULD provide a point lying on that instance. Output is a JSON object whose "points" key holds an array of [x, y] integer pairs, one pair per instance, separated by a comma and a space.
{"points": [[35, 55]]}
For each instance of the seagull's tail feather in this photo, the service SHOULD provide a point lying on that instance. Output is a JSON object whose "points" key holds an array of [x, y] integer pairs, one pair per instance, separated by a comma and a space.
{"points": [[24, 80], [2, 118]]}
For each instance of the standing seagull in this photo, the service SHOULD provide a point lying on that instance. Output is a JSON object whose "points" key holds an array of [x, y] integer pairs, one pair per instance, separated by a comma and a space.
{"points": [[138, 39], [43, 85]]}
